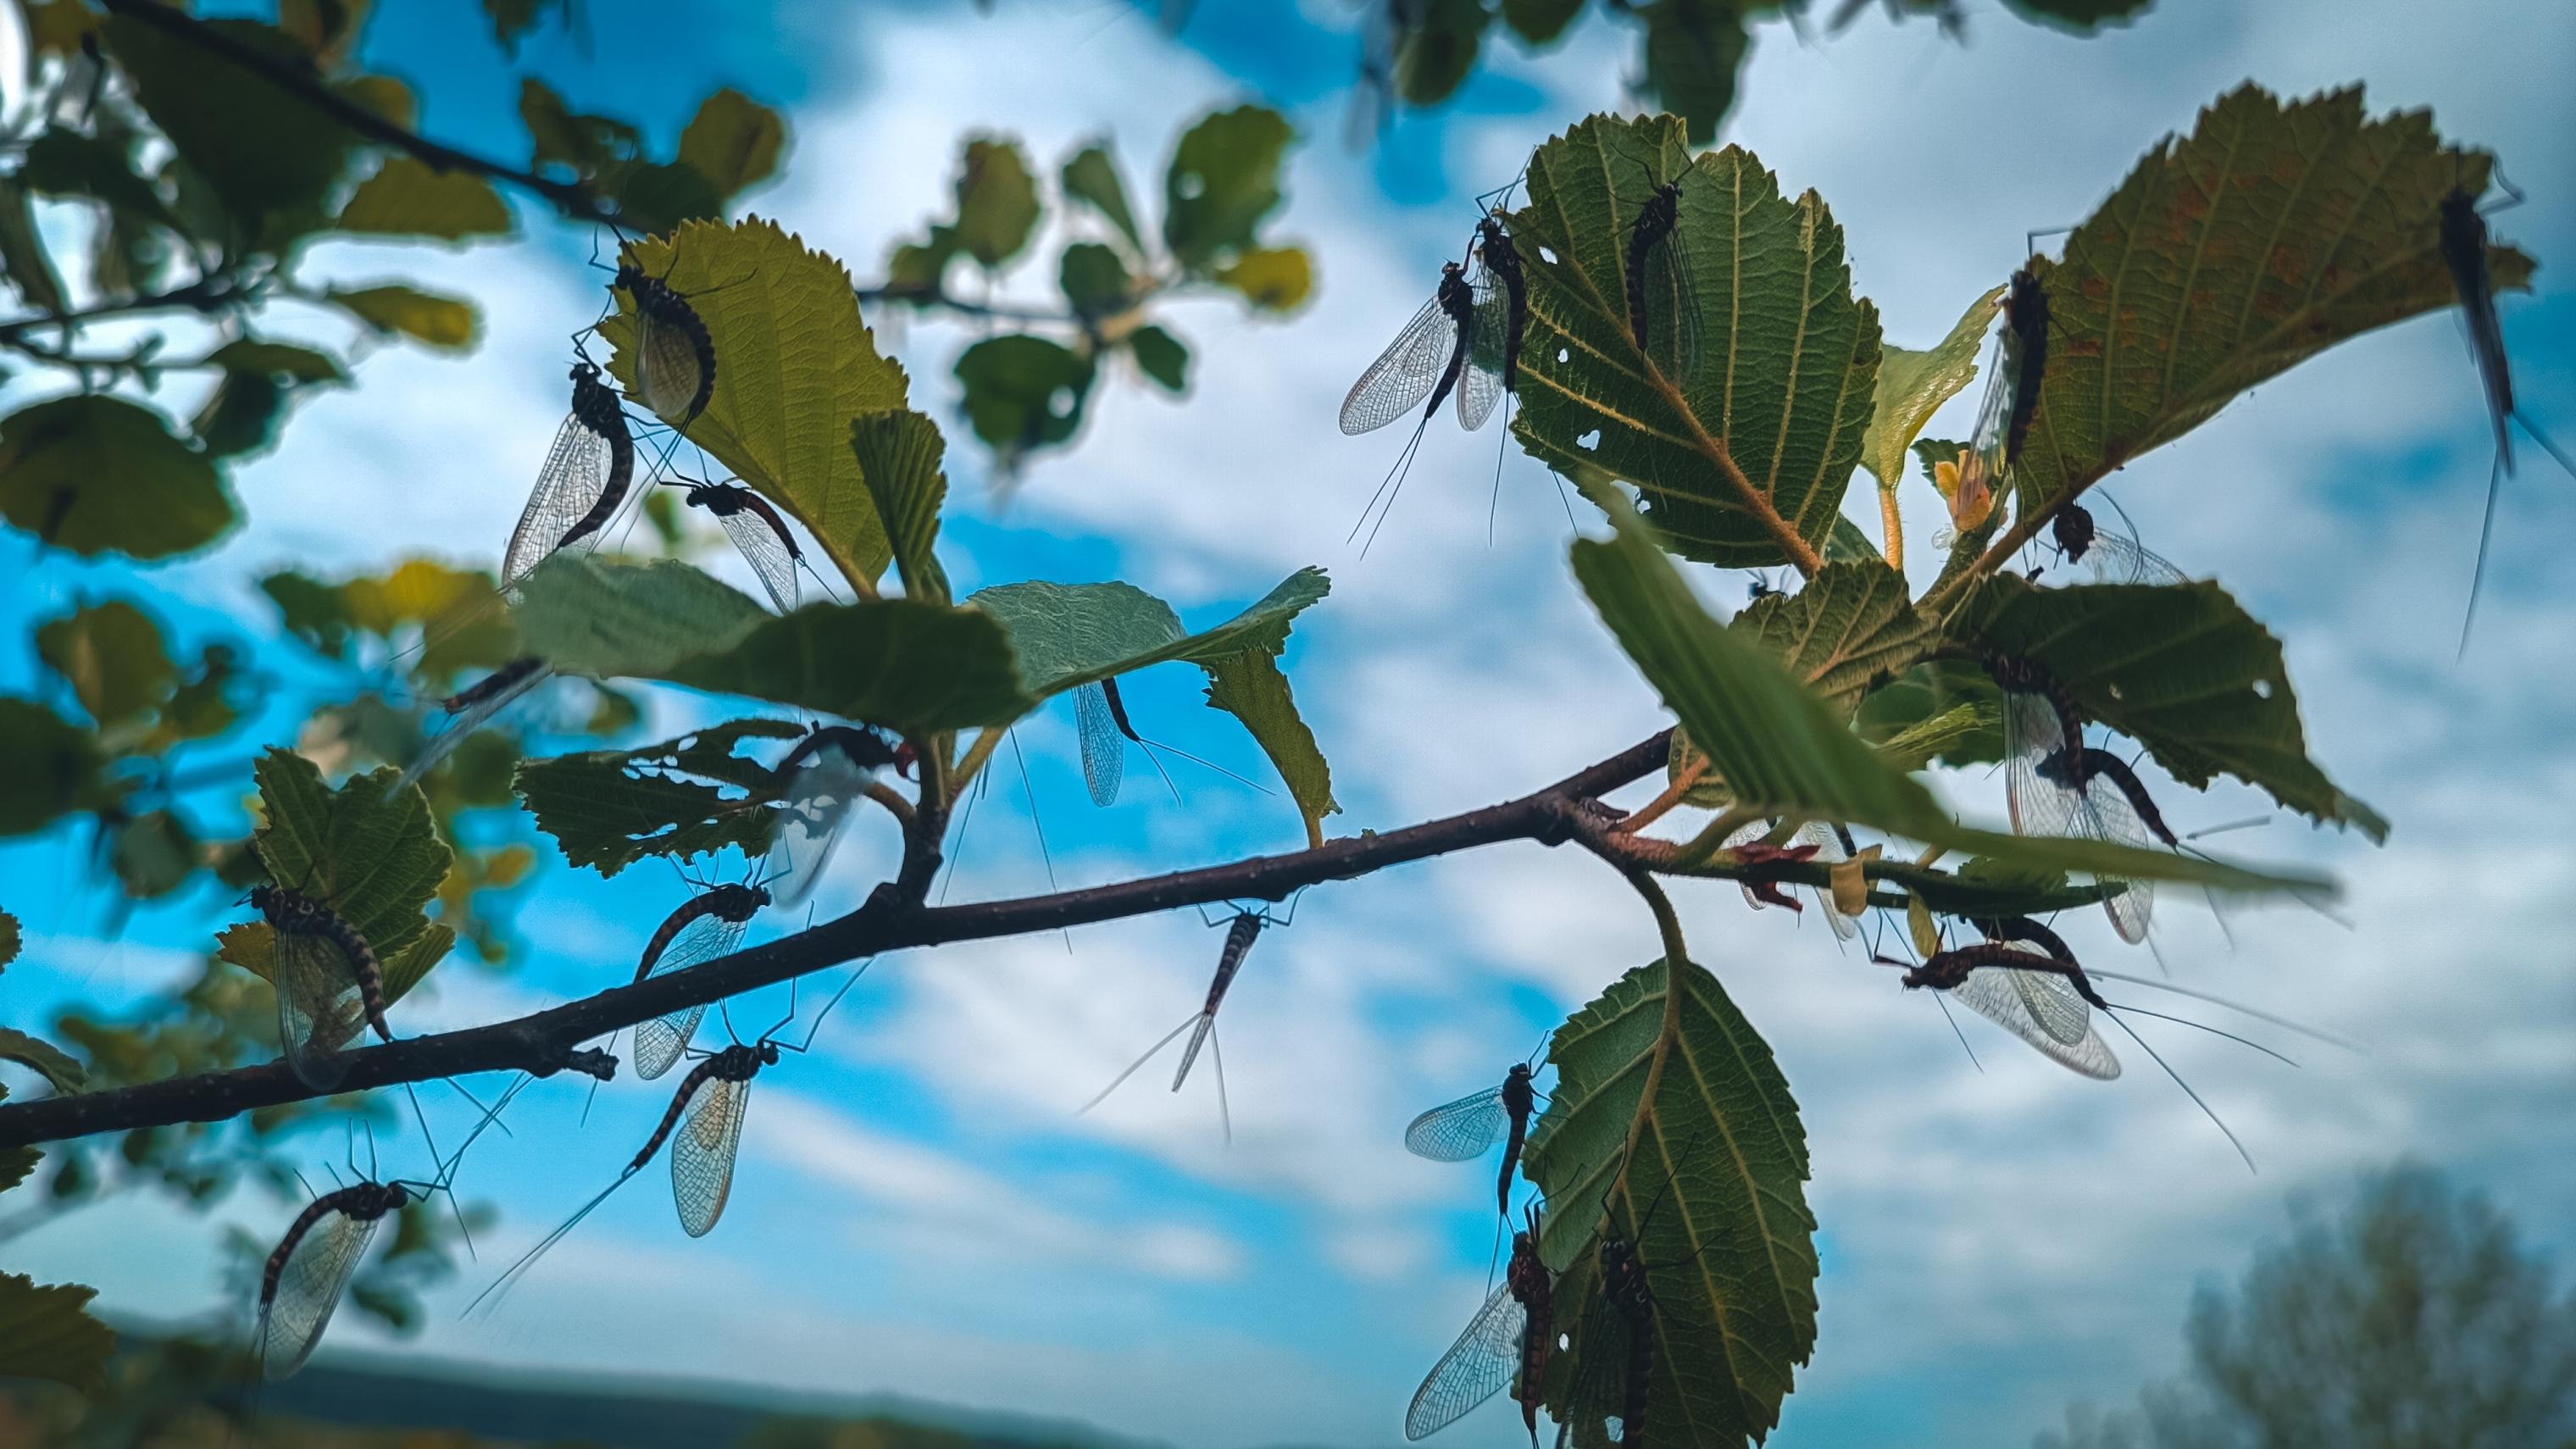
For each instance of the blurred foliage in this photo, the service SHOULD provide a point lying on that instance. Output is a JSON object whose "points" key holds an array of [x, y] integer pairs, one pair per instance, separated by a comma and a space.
{"points": [[2418, 1315]]}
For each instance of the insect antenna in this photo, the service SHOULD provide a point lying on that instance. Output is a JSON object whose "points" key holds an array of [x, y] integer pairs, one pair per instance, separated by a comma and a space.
{"points": [[808, 1043], [2196, 1101], [1045, 855], [1941, 1000]]}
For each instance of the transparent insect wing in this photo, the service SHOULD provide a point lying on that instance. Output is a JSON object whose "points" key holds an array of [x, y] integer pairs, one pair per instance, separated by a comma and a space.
{"points": [[2001, 995], [1672, 307], [702, 1153], [809, 822], [1981, 473], [2115, 558], [1475, 1368], [1746, 834], [309, 1288], [1829, 851], [767, 554], [660, 1041], [2108, 815], [2033, 734], [439, 746], [318, 1007], [568, 487], [668, 369], [1460, 1130], [1480, 381], [1404, 374], [1104, 749]]}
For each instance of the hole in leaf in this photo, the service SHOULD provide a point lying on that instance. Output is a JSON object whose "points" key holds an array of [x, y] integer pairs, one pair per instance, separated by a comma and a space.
{"points": [[1190, 185], [1547, 255], [1060, 402], [1565, 354], [2115, 692], [1589, 441], [2262, 689]]}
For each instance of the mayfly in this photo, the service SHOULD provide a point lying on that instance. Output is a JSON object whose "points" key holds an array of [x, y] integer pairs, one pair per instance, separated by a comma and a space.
{"points": [[816, 784], [707, 925], [328, 982], [583, 482], [757, 531], [675, 369], [2010, 401], [1101, 715], [2051, 786], [302, 1281], [2108, 555], [704, 1127], [470, 708], [1663, 307], [1462, 1130], [1514, 1332], [1818, 840], [1241, 930], [1436, 354], [1615, 1375], [2464, 252]]}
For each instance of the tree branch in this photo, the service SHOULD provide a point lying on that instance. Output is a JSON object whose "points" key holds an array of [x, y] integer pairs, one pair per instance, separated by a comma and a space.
{"points": [[549, 1041]]}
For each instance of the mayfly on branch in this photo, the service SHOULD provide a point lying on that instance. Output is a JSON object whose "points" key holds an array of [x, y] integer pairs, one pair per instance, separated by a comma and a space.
{"points": [[327, 979], [1100, 714], [708, 925], [2108, 554], [1242, 929], [818, 781], [2005, 410]]}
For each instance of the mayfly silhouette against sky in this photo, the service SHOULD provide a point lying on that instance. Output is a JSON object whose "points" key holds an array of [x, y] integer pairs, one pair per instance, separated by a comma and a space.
{"points": [[583, 482], [2054, 785], [2011, 399], [675, 367], [305, 1275], [2108, 555], [758, 531], [2464, 252], [1242, 928], [1100, 712], [327, 980], [818, 782], [707, 925], [1461, 1131], [703, 1126], [1435, 355], [472, 707], [1514, 1332]]}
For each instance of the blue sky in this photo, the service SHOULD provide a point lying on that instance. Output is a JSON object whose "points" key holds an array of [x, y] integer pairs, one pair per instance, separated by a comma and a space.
{"points": [[919, 1209]]}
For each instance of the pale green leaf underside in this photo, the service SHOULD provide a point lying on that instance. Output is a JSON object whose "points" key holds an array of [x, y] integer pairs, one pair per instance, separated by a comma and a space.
{"points": [[1068, 635], [1851, 627], [1912, 386]]}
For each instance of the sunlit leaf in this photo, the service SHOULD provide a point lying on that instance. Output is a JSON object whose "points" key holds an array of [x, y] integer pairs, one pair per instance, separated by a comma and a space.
{"points": [[1223, 181], [1249, 685], [96, 474], [997, 201], [1766, 421], [682, 798], [409, 198], [113, 656], [910, 665], [48, 1333], [1066, 635], [367, 850], [2181, 669], [1273, 279], [447, 323], [1713, 1196], [793, 366], [733, 141], [899, 454], [1912, 386], [583, 612]]}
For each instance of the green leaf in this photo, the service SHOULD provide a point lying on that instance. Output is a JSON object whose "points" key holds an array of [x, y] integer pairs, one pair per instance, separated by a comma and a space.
{"points": [[1849, 544], [997, 201], [1850, 629], [1094, 280], [682, 798], [287, 360], [579, 611], [899, 454], [113, 656], [67, 163], [1769, 421], [733, 141], [10, 938], [54, 767], [48, 1333], [1782, 752], [1250, 686], [1951, 732], [793, 365], [1066, 635], [513, 19], [154, 854], [1272, 279], [1540, 22], [260, 147], [1023, 393], [2268, 235], [1162, 356], [1912, 386], [367, 850], [2080, 17], [239, 416], [1224, 179], [909, 665], [409, 198], [95, 474], [1714, 1197], [557, 133], [1438, 49], [47, 1060], [1091, 177], [2182, 670], [447, 323], [1694, 48], [23, 259], [17, 1164]]}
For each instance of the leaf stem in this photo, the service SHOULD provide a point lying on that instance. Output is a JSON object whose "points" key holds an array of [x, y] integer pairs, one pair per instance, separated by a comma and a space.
{"points": [[1657, 808], [1891, 526]]}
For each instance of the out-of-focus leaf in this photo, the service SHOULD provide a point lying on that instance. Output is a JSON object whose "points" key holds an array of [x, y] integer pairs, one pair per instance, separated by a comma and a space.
{"points": [[44, 1058], [1094, 280], [1849, 629], [582, 612], [1223, 181], [24, 261], [10, 939], [1712, 1195], [203, 705], [2081, 17], [455, 610], [113, 656], [1067, 635], [48, 1333], [97, 474], [328, 29], [1162, 356], [367, 850], [559, 134], [2179, 668], [1912, 386], [2269, 234], [1438, 49], [794, 365], [1694, 50], [682, 798], [513, 19], [447, 323], [409, 198], [53, 767], [310, 610], [68, 163], [263, 149], [1091, 177], [1272, 279], [733, 141], [910, 665], [899, 455], [287, 360], [154, 855], [240, 416], [55, 27], [1540, 22], [1768, 411], [997, 201], [1023, 392]]}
